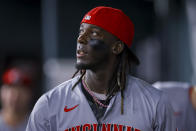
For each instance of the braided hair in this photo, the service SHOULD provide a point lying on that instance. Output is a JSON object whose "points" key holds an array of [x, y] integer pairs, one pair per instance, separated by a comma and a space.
{"points": [[125, 62]]}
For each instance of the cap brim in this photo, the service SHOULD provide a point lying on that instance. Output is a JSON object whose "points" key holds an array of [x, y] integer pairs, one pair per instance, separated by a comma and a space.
{"points": [[133, 57]]}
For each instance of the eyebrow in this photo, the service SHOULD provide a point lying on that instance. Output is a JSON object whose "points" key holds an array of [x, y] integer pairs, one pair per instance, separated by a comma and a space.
{"points": [[93, 27], [96, 27]]}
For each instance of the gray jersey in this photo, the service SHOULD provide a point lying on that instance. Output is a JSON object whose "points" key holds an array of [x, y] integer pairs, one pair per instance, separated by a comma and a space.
{"points": [[5, 127], [178, 93], [64, 109]]}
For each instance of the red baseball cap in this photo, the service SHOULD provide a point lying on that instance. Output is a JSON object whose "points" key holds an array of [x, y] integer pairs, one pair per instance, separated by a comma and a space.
{"points": [[113, 21], [16, 77]]}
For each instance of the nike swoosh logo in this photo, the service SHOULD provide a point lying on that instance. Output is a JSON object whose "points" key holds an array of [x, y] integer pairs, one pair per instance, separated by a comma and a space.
{"points": [[70, 109]]}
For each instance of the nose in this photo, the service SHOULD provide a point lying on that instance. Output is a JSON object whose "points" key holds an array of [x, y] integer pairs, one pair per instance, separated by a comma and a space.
{"points": [[83, 38]]}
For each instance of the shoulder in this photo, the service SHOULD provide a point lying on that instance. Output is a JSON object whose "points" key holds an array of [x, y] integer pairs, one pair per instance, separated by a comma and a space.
{"points": [[177, 93], [143, 94], [61, 90], [152, 100], [50, 104], [3, 125], [1, 120], [150, 96], [175, 90], [54, 97], [143, 88], [169, 85]]}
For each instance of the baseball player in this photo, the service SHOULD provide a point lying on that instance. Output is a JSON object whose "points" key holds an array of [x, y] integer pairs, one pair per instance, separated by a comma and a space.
{"points": [[104, 96], [183, 100], [16, 98]]}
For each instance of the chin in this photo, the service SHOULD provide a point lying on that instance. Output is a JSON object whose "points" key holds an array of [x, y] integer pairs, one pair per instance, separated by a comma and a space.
{"points": [[81, 66]]}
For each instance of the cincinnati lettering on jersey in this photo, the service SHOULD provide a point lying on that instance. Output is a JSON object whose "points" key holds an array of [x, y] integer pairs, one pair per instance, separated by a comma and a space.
{"points": [[102, 127]]}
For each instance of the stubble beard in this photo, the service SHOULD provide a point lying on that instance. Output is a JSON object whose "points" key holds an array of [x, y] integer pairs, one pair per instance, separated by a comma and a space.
{"points": [[84, 66], [101, 59], [92, 66]]}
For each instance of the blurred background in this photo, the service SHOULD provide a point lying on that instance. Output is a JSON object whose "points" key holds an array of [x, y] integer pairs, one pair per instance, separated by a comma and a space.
{"points": [[45, 31]]}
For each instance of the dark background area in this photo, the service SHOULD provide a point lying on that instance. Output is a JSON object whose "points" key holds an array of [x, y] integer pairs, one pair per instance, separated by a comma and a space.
{"points": [[45, 29]]}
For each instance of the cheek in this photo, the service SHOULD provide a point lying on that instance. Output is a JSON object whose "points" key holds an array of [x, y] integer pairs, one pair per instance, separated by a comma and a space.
{"points": [[7, 98], [99, 46], [25, 96], [99, 51]]}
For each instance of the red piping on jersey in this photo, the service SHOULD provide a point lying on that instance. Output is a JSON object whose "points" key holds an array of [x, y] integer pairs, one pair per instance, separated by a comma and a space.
{"points": [[191, 92]]}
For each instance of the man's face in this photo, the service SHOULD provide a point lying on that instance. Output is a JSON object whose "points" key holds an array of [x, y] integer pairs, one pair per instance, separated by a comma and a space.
{"points": [[93, 46], [16, 99]]}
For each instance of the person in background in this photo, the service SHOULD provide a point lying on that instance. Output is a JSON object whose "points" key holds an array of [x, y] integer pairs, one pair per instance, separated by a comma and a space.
{"points": [[16, 98], [183, 99]]}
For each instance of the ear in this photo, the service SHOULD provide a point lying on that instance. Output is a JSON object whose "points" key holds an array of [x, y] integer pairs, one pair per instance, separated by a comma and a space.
{"points": [[117, 47]]}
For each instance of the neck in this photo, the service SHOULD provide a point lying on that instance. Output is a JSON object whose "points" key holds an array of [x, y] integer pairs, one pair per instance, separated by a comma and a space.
{"points": [[13, 118], [100, 80]]}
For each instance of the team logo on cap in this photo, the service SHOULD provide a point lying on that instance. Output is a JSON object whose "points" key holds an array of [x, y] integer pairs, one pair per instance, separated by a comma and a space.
{"points": [[88, 17]]}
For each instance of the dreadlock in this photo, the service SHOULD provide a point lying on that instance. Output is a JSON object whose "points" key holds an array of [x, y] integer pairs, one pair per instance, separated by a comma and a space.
{"points": [[119, 80], [82, 72], [121, 75], [126, 60]]}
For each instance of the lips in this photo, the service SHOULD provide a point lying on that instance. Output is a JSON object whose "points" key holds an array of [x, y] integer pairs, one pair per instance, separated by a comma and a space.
{"points": [[81, 53]]}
